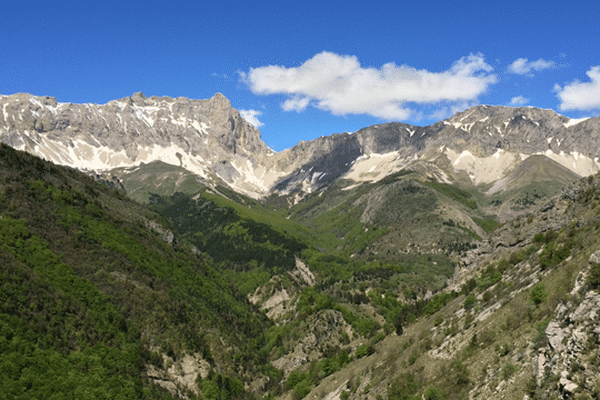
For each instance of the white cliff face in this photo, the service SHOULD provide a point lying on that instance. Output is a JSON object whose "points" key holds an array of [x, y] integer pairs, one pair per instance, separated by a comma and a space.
{"points": [[211, 139]]}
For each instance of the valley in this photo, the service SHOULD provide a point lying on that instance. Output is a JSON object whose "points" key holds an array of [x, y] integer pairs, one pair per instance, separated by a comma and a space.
{"points": [[162, 250]]}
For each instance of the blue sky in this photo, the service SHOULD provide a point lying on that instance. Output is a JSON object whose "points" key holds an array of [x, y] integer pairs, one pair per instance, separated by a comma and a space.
{"points": [[307, 69]]}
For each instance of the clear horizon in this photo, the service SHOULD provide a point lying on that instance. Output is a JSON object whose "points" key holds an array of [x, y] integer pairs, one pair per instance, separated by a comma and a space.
{"points": [[300, 71]]}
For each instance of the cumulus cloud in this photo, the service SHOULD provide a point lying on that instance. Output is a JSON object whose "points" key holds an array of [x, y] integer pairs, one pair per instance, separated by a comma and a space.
{"points": [[296, 104], [251, 117], [522, 66], [581, 95], [340, 85], [519, 101]]}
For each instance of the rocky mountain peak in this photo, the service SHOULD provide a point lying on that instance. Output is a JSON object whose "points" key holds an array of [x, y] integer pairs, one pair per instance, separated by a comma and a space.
{"points": [[503, 112], [220, 101], [138, 98], [200, 135], [522, 130]]}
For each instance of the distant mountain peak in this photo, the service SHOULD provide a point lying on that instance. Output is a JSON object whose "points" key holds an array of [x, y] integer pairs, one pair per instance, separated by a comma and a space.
{"points": [[138, 96], [220, 97]]}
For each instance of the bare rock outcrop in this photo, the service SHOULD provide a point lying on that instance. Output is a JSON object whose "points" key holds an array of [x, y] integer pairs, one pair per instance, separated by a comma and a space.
{"points": [[572, 340]]}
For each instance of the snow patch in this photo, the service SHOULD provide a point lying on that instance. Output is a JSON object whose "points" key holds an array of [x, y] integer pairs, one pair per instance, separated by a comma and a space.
{"points": [[316, 177], [469, 126], [140, 112], [36, 102], [179, 122], [573, 122], [466, 115], [196, 125]]}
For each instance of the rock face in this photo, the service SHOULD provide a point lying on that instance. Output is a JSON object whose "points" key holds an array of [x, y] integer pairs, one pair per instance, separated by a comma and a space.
{"points": [[207, 137], [481, 145], [128, 125], [571, 338]]}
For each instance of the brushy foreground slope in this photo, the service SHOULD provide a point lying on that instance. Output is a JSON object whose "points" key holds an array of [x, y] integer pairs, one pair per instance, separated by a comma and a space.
{"points": [[99, 300]]}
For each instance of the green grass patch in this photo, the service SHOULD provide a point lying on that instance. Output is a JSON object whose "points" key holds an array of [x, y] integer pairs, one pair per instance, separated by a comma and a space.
{"points": [[455, 193], [488, 224]]}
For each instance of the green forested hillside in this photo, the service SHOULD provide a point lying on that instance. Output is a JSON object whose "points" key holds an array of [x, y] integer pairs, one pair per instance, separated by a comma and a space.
{"points": [[225, 235], [94, 290]]}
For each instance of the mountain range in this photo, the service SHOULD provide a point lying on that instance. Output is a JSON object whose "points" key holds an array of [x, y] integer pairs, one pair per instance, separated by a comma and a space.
{"points": [[480, 146], [456, 260]]}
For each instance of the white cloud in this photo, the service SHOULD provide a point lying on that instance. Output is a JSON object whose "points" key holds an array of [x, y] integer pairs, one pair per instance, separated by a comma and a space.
{"points": [[338, 84], [581, 95], [250, 117], [519, 101], [522, 66], [296, 104]]}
